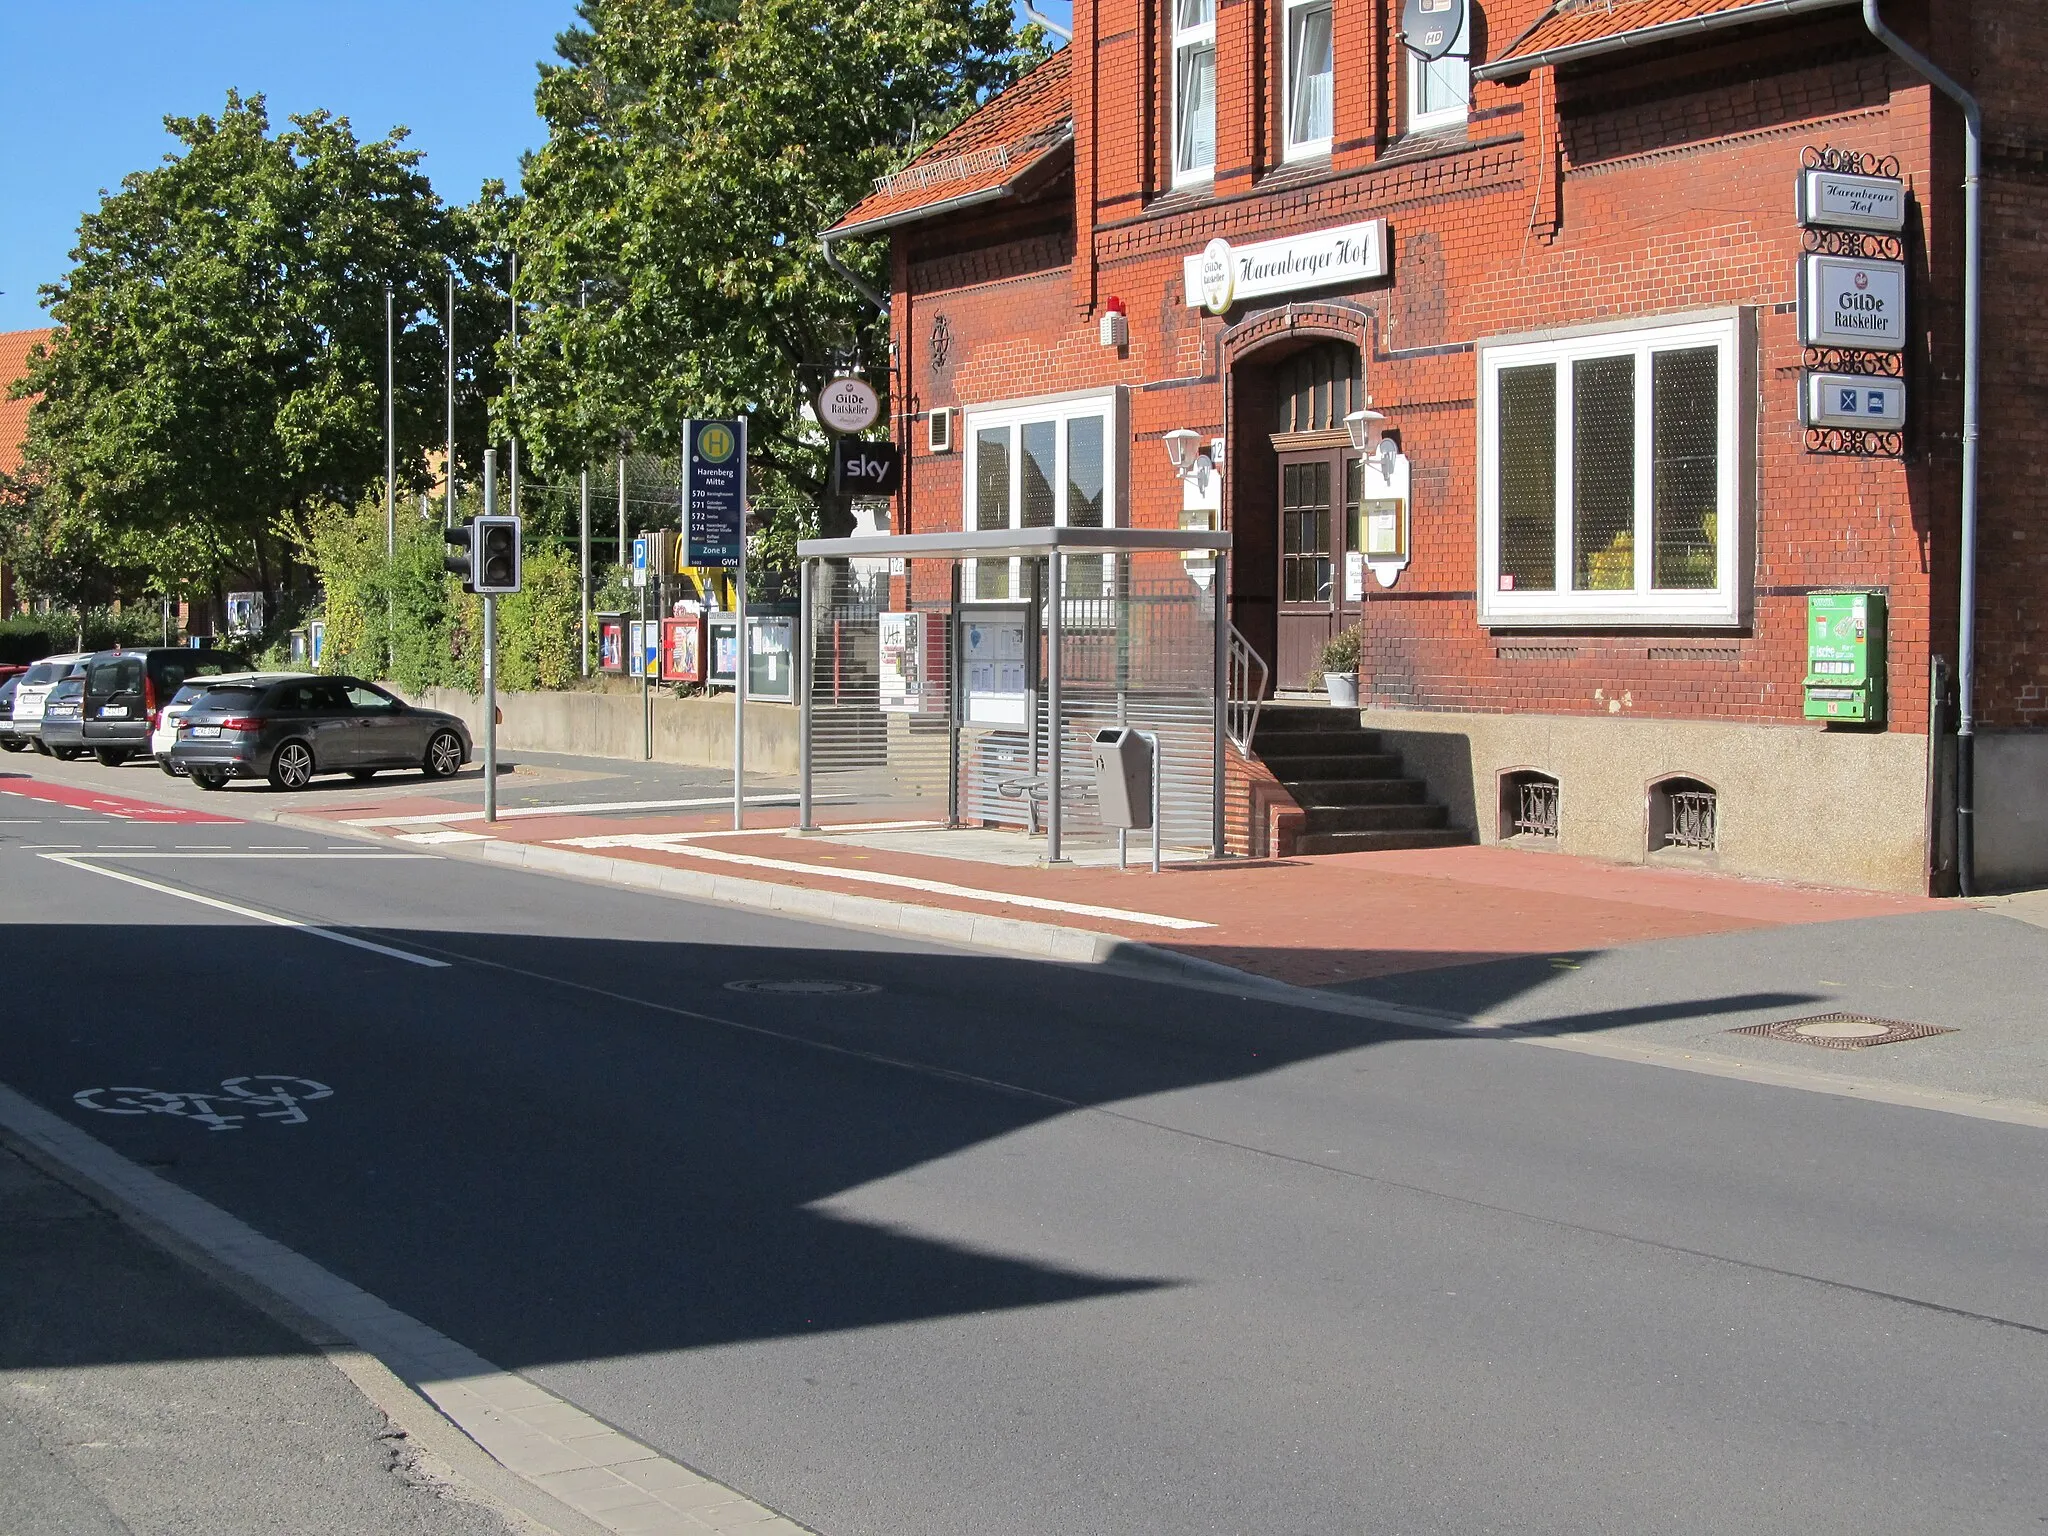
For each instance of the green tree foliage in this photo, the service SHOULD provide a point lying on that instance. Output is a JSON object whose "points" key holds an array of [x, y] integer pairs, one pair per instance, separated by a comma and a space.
{"points": [[404, 618], [669, 235], [219, 371]]}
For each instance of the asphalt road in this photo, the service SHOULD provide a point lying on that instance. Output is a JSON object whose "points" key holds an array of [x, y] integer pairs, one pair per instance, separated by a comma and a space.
{"points": [[1001, 1248]]}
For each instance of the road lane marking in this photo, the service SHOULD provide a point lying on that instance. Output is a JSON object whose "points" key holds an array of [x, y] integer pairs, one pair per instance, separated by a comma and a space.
{"points": [[254, 914], [221, 1109], [442, 837], [654, 842], [284, 856]]}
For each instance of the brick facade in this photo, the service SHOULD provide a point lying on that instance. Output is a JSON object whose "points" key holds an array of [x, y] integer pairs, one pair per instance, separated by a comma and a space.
{"points": [[1651, 182]]}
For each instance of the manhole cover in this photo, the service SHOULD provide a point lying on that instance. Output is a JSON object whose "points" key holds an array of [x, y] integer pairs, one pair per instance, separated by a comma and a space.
{"points": [[804, 988], [1842, 1031]]}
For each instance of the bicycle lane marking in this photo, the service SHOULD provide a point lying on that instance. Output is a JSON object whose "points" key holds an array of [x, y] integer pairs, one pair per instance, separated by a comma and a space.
{"points": [[254, 914], [119, 806]]}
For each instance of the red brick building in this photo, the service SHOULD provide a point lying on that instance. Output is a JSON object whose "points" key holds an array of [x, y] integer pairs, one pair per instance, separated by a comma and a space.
{"points": [[15, 347], [1563, 263]]}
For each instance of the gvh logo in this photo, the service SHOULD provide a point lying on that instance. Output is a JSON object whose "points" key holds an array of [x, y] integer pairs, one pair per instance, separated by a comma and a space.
{"points": [[866, 469]]}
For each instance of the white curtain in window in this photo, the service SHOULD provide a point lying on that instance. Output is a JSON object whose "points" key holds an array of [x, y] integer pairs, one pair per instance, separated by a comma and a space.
{"points": [[1310, 71], [1194, 132]]}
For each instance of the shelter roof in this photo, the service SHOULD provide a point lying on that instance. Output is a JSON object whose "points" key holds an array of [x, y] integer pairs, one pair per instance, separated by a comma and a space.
{"points": [[993, 154], [14, 350], [990, 543], [1579, 29]]}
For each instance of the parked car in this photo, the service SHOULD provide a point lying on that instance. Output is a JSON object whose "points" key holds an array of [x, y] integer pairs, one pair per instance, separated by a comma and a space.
{"points": [[62, 732], [9, 742], [163, 732], [25, 724], [125, 688], [290, 731]]}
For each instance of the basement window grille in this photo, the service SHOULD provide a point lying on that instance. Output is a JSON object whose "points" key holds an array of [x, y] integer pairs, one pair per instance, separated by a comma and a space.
{"points": [[1692, 819], [1536, 813], [1528, 807]]}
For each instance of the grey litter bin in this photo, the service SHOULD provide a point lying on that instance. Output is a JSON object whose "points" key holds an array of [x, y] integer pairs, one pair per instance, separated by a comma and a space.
{"points": [[1123, 778]]}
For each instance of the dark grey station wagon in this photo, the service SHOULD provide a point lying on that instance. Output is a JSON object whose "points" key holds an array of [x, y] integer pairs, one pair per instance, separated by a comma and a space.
{"points": [[287, 732]]}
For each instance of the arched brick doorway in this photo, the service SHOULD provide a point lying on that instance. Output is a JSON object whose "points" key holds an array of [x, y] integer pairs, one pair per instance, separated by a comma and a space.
{"points": [[1292, 375]]}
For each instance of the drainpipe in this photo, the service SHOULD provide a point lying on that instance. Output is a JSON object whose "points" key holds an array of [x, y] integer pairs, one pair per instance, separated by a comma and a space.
{"points": [[1966, 595], [853, 278]]}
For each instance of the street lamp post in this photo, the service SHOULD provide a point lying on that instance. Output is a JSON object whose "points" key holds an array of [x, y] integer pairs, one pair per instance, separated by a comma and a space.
{"points": [[448, 516]]}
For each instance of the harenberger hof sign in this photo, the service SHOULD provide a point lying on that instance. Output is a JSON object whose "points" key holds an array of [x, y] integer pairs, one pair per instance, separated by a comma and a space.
{"points": [[1224, 273]]}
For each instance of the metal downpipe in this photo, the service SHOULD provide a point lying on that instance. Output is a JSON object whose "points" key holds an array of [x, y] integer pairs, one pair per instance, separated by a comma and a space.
{"points": [[1966, 586]]}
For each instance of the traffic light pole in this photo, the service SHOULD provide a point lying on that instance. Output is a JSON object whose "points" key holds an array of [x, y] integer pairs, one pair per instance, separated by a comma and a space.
{"points": [[739, 663], [490, 654], [490, 708]]}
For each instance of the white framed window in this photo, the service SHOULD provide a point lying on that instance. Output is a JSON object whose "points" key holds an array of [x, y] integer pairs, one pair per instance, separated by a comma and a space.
{"points": [[1050, 463], [1440, 90], [1311, 71], [1612, 468], [1194, 91]]}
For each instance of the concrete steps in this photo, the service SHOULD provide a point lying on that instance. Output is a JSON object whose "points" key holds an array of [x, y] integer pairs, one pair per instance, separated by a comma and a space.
{"points": [[1350, 788]]}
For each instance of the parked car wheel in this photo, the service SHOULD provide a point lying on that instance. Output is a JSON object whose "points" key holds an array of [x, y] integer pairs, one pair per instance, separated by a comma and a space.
{"points": [[362, 775], [444, 755], [291, 766], [66, 754], [208, 778], [13, 746], [111, 757]]}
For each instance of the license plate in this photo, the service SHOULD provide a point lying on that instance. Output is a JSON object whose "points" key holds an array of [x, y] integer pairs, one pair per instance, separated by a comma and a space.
{"points": [[205, 730], [113, 711]]}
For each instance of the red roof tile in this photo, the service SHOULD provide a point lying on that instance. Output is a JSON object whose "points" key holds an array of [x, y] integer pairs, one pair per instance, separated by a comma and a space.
{"points": [[14, 350], [1598, 25], [985, 157]]}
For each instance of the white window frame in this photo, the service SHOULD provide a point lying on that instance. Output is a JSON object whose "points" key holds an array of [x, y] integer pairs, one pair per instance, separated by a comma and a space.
{"points": [[1293, 148], [1185, 39], [1443, 117], [1733, 334], [1112, 405]]}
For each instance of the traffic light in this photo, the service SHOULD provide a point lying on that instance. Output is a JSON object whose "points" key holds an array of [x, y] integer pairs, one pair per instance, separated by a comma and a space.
{"points": [[485, 554], [461, 560], [494, 556]]}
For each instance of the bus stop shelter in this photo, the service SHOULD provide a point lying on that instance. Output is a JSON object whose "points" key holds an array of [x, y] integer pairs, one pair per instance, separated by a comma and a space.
{"points": [[959, 680]]}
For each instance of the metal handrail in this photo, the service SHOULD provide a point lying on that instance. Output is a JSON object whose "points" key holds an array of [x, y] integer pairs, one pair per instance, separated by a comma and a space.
{"points": [[1244, 698]]}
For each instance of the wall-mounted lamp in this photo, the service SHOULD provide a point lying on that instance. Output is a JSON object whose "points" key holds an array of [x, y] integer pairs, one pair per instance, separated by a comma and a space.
{"points": [[1363, 428], [1183, 451]]}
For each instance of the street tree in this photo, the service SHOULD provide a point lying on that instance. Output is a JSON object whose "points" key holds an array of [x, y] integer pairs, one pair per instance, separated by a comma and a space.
{"points": [[668, 241], [218, 372]]}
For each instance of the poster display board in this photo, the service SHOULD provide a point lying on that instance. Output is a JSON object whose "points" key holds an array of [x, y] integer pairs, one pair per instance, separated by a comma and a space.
{"points": [[995, 679], [682, 649], [913, 663], [611, 642]]}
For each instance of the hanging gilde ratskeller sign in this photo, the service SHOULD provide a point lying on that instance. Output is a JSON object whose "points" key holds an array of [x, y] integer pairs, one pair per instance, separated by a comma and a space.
{"points": [[1430, 28]]}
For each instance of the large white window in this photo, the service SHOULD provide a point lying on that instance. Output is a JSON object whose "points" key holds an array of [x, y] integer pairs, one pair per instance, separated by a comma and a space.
{"points": [[1311, 78], [1440, 90], [1194, 91], [1611, 468], [1042, 464]]}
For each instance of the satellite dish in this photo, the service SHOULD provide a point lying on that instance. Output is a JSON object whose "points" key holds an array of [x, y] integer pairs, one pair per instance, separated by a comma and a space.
{"points": [[1431, 28]]}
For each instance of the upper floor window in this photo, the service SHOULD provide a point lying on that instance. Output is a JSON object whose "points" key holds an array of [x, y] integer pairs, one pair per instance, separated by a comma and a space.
{"points": [[1440, 90], [1194, 90], [1311, 75]]}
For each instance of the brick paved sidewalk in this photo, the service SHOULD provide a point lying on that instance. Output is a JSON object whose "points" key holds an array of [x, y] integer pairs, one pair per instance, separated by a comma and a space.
{"points": [[1316, 922]]}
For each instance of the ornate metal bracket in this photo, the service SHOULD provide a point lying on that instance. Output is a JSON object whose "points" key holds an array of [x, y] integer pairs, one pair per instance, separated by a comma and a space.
{"points": [[1849, 162], [1876, 365], [1856, 442], [942, 341], [1861, 244]]}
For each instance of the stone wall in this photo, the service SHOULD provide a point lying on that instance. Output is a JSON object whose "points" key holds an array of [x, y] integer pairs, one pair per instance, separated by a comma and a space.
{"points": [[696, 732]]}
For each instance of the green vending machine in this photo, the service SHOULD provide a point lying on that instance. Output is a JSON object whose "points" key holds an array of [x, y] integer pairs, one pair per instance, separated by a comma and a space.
{"points": [[1845, 657]]}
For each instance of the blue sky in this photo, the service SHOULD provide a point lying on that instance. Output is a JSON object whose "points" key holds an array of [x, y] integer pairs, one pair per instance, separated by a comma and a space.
{"points": [[88, 83]]}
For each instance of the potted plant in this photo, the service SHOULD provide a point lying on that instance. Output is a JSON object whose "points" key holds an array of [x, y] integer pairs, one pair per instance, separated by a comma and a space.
{"points": [[1339, 665]]}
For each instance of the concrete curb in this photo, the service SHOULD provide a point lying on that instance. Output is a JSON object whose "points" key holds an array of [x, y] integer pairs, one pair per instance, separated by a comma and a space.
{"points": [[533, 1455]]}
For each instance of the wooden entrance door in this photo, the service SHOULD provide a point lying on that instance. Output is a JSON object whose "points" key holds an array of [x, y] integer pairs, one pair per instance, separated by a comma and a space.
{"points": [[1311, 560]]}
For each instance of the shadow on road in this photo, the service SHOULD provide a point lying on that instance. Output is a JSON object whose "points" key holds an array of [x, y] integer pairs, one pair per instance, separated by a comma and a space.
{"points": [[564, 1149]]}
